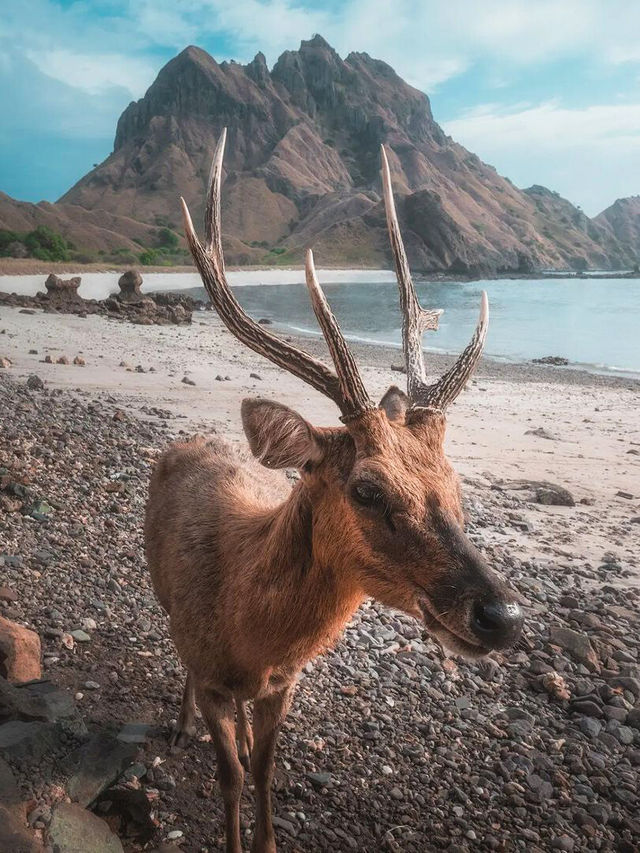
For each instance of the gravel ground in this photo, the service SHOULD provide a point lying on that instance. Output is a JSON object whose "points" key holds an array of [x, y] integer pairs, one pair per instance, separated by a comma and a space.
{"points": [[389, 746]]}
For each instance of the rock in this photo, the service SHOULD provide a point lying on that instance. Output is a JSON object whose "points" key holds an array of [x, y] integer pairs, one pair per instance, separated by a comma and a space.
{"points": [[79, 361], [551, 495], [255, 376], [555, 360], [134, 733], [34, 383], [555, 685], [541, 432], [187, 381], [14, 835], [589, 726], [98, 764], [398, 368], [73, 829], [8, 594], [63, 292], [63, 359], [20, 740], [19, 652], [5, 362], [587, 708], [80, 636], [130, 283], [576, 644], [320, 780], [626, 495], [626, 682]]}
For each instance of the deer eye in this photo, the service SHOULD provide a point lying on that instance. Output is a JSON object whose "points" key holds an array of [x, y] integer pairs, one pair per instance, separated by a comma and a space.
{"points": [[369, 495]]}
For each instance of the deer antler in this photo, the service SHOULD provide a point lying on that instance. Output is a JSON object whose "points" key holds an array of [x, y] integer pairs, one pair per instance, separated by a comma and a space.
{"points": [[416, 321], [346, 388]]}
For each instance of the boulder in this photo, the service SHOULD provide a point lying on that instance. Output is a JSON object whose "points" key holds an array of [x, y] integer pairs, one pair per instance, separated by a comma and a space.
{"points": [[576, 645], [549, 494], [19, 652], [75, 830], [130, 283], [61, 292], [22, 741], [14, 835], [98, 764]]}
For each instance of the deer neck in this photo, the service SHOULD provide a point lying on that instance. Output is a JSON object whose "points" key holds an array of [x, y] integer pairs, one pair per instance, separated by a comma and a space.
{"points": [[301, 602]]}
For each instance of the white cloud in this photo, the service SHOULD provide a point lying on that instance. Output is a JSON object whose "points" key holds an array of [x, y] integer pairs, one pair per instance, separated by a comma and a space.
{"points": [[96, 72], [590, 155]]}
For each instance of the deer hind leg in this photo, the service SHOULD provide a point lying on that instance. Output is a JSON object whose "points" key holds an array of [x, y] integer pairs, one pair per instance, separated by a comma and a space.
{"points": [[268, 716], [186, 726], [244, 735], [219, 713]]}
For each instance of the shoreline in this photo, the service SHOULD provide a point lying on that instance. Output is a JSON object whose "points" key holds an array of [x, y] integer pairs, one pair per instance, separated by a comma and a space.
{"points": [[32, 266], [491, 366], [513, 421]]}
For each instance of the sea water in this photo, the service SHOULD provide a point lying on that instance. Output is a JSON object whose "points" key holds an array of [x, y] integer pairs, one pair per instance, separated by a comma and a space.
{"points": [[593, 322]]}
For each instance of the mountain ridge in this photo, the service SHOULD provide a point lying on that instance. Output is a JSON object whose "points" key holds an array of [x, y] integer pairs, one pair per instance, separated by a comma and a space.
{"points": [[302, 168]]}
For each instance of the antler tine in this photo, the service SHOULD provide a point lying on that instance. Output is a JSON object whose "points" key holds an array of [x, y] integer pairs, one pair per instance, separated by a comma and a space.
{"points": [[415, 320], [353, 389], [450, 384], [209, 261], [212, 217]]}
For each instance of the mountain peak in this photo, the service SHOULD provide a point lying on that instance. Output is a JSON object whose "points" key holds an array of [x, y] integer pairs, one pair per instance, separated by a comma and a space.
{"points": [[316, 41], [302, 167]]}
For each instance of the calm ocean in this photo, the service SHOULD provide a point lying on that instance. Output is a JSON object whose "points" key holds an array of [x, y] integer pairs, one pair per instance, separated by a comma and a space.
{"points": [[593, 322]]}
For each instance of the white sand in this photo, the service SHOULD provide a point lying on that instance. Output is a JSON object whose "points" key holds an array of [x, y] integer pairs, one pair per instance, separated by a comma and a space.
{"points": [[597, 424]]}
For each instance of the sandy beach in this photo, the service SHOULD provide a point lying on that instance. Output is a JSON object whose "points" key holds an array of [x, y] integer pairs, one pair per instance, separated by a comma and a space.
{"points": [[591, 431]]}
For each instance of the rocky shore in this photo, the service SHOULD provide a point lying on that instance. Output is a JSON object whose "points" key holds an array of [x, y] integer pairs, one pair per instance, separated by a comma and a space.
{"points": [[61, 296], [390, 745]]}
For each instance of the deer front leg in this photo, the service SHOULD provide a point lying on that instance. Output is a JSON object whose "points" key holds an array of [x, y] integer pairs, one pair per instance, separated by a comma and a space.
{"points": [[268, 716], [244, 735], [186, 726], [218, 711]]}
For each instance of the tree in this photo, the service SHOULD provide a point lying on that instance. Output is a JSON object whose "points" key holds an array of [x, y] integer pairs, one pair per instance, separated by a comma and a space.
{"points": [[47, 245], [168, 239]]}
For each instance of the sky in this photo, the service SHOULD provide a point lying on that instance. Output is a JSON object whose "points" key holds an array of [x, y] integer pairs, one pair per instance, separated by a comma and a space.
{"points": [[547, 91]]}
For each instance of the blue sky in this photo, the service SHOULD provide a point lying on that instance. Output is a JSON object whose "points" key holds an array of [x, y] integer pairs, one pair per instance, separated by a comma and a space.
{"points": [[547, 91]]}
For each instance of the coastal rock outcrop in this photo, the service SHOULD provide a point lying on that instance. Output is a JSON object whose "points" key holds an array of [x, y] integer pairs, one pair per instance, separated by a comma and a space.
{"points": [[63, 292], [129, 303]]}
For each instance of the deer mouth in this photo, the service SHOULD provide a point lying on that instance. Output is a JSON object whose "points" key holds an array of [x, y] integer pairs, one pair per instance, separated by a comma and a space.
{"points": [[446, 635]]}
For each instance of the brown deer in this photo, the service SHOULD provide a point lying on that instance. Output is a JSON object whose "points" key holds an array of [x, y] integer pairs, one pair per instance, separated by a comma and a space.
{"points": [[255, 583]]}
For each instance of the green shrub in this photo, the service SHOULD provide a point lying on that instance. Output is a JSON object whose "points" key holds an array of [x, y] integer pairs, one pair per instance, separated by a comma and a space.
{"points": [[168, 239], [47, 245], [148, 258]]}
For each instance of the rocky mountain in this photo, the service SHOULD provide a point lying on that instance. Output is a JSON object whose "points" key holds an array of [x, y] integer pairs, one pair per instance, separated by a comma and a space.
{"points": [[302, 168], [622, 220]]}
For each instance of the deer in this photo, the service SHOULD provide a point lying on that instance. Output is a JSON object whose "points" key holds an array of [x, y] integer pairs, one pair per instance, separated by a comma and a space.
{"points": [[257, 581]]}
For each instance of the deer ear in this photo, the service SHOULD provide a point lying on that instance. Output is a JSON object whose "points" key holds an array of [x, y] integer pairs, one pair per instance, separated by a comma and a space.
{"points": [[278, 436], [395, 403]]}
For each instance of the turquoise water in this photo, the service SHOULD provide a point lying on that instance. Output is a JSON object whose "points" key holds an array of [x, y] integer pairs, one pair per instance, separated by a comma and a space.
{"points": [[595, 323]]}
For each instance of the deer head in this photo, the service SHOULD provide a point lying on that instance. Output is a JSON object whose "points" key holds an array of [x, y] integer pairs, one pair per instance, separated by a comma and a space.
{"points": [[385, 501]]}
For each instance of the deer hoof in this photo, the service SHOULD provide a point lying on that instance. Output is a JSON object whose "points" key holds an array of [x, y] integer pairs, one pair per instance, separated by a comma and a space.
{"points": [[180, 738]]}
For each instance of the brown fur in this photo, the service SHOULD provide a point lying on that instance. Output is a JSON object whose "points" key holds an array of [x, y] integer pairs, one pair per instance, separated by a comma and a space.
{"points": [[256, 584]]}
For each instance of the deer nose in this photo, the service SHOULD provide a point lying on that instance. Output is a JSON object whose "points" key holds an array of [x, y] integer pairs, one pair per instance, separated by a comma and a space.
{"points": [[497, 624]]}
